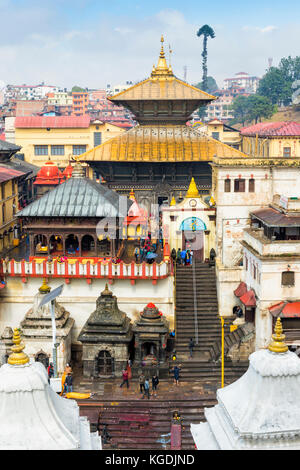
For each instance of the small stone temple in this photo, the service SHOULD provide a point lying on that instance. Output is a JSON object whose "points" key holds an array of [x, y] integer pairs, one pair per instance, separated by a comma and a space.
{"points": [[261, 410], [151, 333], [37, 330], [105, 337]]}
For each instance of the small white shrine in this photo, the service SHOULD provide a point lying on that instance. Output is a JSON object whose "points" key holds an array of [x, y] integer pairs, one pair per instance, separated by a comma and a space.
{"points": [[261, 410], [32, 415]]}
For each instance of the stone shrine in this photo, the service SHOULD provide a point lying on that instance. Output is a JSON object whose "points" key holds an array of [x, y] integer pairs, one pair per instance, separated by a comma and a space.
{"points": [[151, 333], [37, 330], [105, 338]]}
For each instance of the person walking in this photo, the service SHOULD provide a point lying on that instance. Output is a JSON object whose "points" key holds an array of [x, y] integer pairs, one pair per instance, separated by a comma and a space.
{"points": [[136, 254], [188, 257], [191, 257], [178, 259], [69, 383], [50, 371], [155, 382], [125, 378], [142, 382], [183, 256], [176, 371], [146, 389], [191, 346]]}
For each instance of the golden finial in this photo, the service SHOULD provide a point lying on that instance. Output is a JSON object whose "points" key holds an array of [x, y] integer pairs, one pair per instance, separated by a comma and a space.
{"points": [[18, 357], [132, 195], [173, 201], [44, 289], [106, 291], [162, 70], [278, 345], [193, 190]]}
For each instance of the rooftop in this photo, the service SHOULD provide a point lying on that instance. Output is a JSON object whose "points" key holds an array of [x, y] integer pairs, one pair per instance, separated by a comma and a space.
{"points": [[270, 129], [52, 122]]}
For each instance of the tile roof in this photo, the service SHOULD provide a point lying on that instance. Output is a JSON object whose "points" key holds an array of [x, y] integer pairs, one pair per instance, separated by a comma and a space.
{"points": [[52, 121], [161, 144], [269, 129], [8, 147], [77, 197], [7, 174]]}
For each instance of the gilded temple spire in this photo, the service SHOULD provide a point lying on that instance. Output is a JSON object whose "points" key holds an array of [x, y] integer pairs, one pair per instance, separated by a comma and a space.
{"points": [[193, 190], [278, 345], [162, 70], [17, 357]]}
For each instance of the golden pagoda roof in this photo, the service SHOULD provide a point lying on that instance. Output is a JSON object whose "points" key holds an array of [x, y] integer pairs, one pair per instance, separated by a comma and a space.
{"points": [[162, 85], [158, 143]]}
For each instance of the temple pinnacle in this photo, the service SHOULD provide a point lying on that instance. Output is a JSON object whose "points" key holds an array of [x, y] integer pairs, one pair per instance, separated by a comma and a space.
{"points": [[278, 345], [18, 357], [193, 190]]}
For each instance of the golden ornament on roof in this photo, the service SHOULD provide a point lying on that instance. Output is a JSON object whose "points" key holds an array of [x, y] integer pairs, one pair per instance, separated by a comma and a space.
{"points": [[278, 345], [193, 190], [18, 357]]}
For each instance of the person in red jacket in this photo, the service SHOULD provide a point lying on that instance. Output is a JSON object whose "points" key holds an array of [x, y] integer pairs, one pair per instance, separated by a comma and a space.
{"points": [[125, 378]]}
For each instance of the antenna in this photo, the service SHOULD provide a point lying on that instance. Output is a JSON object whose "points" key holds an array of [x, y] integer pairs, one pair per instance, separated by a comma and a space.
{"points": [[270, 62], [184, 72]]}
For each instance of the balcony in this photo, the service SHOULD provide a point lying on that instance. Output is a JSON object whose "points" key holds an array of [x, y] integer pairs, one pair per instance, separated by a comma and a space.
{"points": [[263, 246]]}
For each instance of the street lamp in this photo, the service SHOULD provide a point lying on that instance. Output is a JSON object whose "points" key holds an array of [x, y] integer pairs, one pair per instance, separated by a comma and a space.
{"points": [[46, 299]]}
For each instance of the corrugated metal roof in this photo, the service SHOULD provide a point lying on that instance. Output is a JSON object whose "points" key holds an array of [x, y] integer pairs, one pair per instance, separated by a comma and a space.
{"points": [[279, 128], [77, 197], [52, 121], [274, 218], [8, 147]]}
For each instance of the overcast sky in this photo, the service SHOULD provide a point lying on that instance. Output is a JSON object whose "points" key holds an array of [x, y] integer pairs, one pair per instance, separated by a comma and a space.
{"points": [[94, 42]]}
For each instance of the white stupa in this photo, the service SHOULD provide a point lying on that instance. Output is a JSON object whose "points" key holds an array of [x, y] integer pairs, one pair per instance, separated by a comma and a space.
{"points": [[32, 415], [261, 410]]}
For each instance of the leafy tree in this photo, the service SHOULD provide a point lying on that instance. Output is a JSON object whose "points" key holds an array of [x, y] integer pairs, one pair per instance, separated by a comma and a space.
{"points": [[252, 108], [211, 85], [207, 32], [77, 89]]}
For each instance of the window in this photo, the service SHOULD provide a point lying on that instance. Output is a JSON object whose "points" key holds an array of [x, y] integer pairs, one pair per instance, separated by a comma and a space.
{"points": [[239, 186], [79, 149], [97, 138], [227, 185], [215, 135], [286, 151], [57, 149], [288, 278], [41, 150], [251, 185]]}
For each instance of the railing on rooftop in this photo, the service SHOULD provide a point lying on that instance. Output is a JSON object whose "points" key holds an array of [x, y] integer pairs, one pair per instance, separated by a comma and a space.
{"points": [[75, 269]]}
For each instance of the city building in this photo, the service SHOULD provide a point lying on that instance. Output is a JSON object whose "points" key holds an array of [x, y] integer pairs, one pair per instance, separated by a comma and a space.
{"points": [[80, 102], [244, 80], [218, 130], [60, 137], [60, 98]]}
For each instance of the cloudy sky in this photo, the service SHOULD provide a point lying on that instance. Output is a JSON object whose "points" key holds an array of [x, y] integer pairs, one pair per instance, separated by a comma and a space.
{"points": [[94, 42]]}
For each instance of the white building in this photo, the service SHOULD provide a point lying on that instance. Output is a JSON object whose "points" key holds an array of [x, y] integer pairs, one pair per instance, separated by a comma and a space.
{"points": [[244, 80]]}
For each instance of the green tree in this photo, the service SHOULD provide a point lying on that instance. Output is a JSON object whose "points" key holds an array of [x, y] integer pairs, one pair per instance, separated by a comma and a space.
{"points": [[211, 85], [240, 109], [207, 32], [252, 108], [77, 89]]}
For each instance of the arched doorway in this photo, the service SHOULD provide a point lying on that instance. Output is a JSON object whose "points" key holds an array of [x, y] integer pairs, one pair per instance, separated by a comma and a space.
{"points": [[43, 358], [192, 230], [72, 245], [104, 363], [87, 245]]}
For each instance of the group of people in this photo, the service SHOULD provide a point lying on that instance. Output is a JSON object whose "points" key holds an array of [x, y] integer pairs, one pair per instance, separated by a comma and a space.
{"points": [[183, 257], [145, 385]]}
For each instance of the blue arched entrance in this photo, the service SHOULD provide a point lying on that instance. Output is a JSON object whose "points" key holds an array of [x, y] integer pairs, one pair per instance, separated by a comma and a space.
{"points": [[192, 229]]}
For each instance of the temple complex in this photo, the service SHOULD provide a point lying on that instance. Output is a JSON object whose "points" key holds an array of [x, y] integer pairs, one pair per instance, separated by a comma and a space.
{"points": [[161, 154]]}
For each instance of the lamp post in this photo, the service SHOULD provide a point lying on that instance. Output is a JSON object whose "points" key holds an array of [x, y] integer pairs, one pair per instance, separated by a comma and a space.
{"points": [[51, 298]]}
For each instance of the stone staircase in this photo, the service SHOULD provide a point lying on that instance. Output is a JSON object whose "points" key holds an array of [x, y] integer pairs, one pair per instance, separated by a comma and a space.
{"points": [[197, 313], [145, 425]]}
